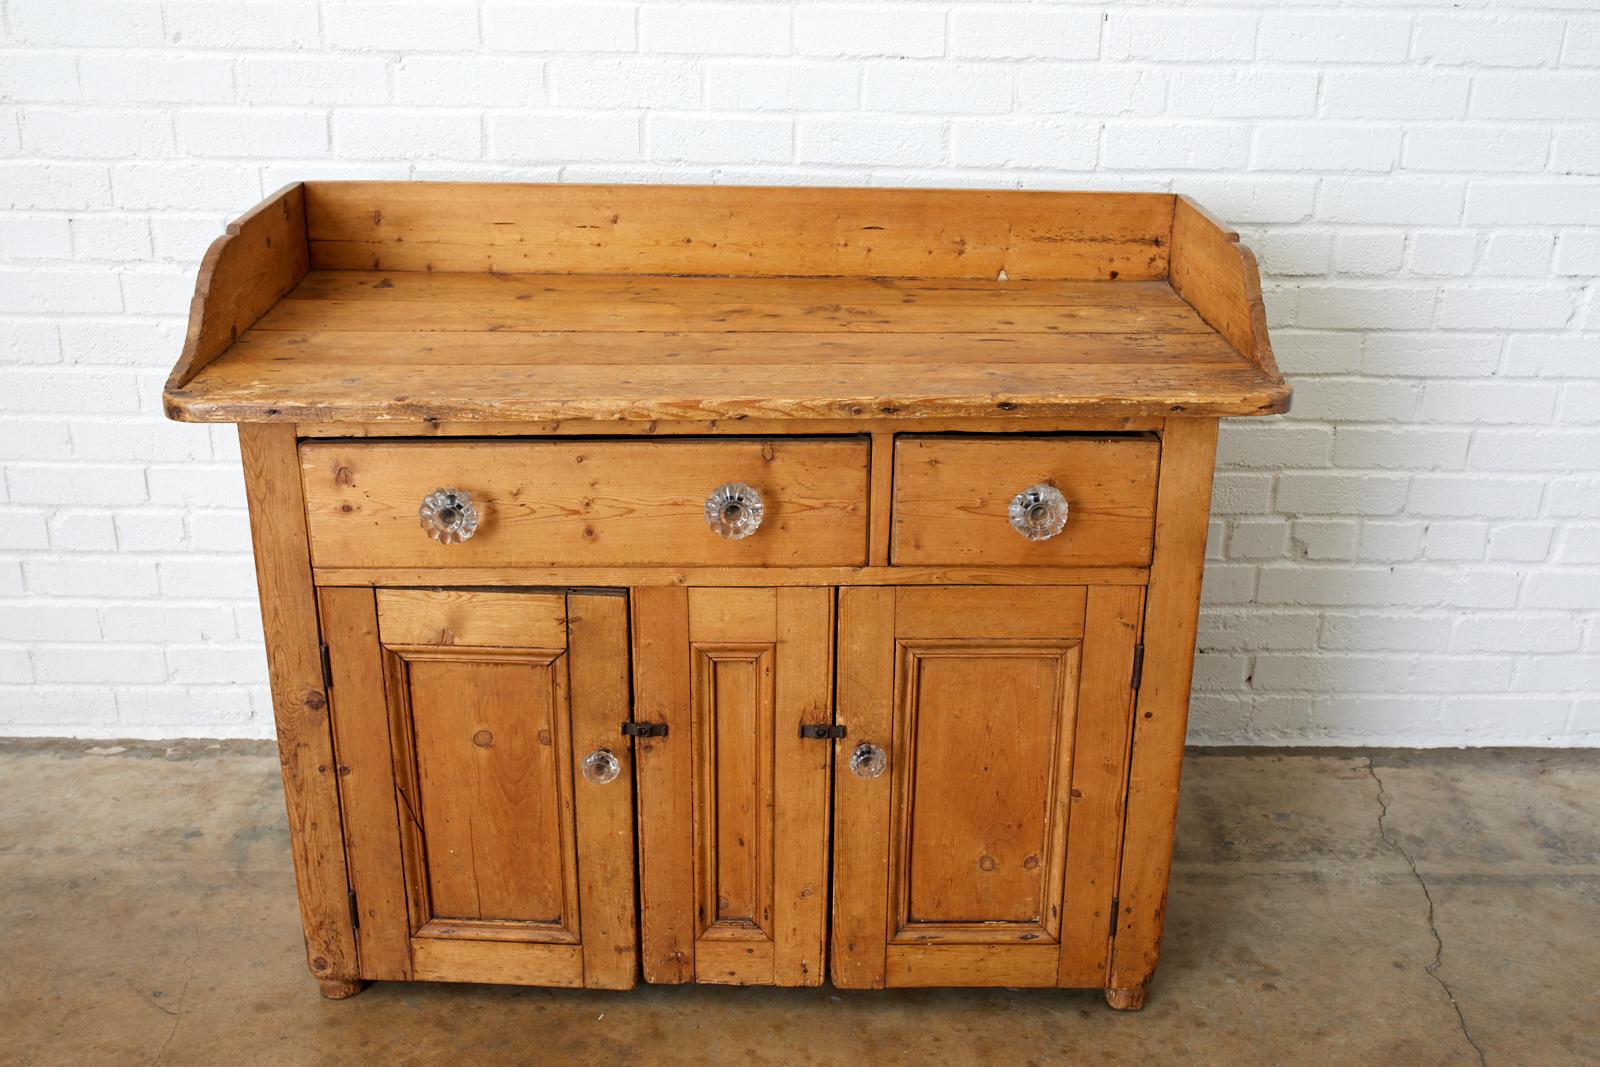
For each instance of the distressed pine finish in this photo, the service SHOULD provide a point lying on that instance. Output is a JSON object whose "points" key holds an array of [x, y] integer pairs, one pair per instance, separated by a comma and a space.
{"points": [[586, 504], [950, 507], [498, 740]]}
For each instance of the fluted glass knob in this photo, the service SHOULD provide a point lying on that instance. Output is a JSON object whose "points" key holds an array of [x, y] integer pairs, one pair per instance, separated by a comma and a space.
{"points": [[734, 511], [601, 767], [1039, 512], [868, 760], [448, 516]]}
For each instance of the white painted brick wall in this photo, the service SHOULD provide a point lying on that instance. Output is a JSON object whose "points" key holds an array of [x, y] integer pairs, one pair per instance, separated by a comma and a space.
{"points": [[1411, 557]]}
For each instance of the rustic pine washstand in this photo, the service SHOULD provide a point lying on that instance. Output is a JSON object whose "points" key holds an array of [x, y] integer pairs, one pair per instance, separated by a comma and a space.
{"points": [[728, 585]]}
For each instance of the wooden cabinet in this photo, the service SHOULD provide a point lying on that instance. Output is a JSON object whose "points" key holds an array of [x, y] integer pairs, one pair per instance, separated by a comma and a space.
{"points": [[481, 846], [733, 801], [979, 753], [752, 586], [985, 852]]}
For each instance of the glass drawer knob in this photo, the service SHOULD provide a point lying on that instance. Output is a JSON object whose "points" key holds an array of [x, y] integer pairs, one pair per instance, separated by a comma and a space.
{"points": [[734, 511], [601, 767], [1039, 512], [868, 760], [448, 516]]}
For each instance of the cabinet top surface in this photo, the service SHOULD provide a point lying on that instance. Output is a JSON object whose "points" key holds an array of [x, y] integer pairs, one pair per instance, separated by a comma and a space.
{"points": [[377, 302]]}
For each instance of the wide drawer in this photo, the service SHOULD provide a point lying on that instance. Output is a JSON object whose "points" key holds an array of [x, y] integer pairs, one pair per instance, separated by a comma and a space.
{"points": [[586, 503], [952, 499]]}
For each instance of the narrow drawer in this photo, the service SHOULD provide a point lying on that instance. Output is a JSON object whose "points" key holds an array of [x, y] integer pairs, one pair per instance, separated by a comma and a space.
{"points": [[586, 503], [952, 498]]}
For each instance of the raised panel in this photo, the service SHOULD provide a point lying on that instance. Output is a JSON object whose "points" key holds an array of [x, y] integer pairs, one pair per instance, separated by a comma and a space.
{"points": [[734, 883], [733, 700], [499, 861], [489, 734], [1004, 712], [985, 753]]}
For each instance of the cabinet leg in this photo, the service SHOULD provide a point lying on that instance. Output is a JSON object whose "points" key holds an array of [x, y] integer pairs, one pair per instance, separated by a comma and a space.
{"points": [[340, 988], [1127, 999]]}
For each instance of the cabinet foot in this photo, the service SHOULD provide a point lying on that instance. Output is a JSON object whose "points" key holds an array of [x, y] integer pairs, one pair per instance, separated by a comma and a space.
{"points": [[340, 988], [1127, 999]]}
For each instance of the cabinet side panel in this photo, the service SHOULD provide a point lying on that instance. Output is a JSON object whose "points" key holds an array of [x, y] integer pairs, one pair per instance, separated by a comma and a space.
{"points": [[1172, 611], [1099, 781], [861, 806], [598, 651], [366, 783], [299, 702], [665, 771]]}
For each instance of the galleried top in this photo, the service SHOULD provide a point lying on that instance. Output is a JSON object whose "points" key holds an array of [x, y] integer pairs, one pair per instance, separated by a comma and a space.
{"points": [[357, 302]]}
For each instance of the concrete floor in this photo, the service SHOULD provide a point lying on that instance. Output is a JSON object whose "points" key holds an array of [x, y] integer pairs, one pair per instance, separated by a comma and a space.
{"points": [[1327, 908]]}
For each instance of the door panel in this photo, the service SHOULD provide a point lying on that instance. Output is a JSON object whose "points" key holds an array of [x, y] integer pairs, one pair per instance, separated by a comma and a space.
{"points": [[733, 883], [982, 798], [488, 735], [489, 874], [963, 864]]}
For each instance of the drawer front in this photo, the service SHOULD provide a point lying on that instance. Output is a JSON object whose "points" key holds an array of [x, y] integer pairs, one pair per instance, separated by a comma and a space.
{"points": [[586, 503], [952, 497]]}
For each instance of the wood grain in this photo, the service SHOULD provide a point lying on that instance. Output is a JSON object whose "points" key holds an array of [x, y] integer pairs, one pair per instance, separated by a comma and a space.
{"points": [[1218, 276], [1019, 966], [481, 303], [985, 709], [1049, 612], [952, 497], [667, 921], [969, 383], [861, 809], [254, 264], [803, 788], [880, 499], [376, 352], [593, 503], [1112, 620], [1171, 615], [985, 741], [437, 960], [720, 576], [759, 666], [299, 701], [868, 313], [428, 287], [733, 230], [601, 699], [366, 782], [461, 617], [491, 736], [714, 427]]}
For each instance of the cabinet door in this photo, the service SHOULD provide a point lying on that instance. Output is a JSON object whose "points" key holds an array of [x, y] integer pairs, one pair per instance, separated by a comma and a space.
{"points": [[733, 802], [479, 849], [985, 852]]}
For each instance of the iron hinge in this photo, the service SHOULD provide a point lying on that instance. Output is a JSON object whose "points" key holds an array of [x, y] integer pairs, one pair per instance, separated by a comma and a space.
{"points": [[327, 666], [1138, 665], [644, 729], [355, 912], [1116, 906], [821, 732]]}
